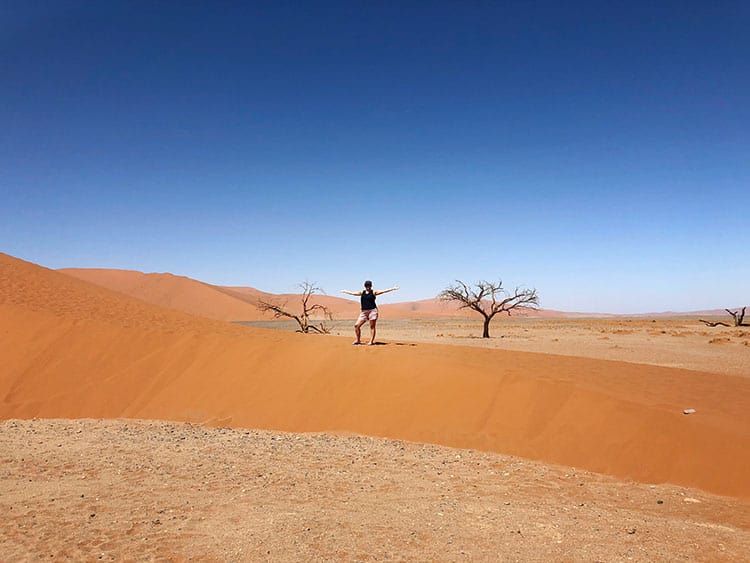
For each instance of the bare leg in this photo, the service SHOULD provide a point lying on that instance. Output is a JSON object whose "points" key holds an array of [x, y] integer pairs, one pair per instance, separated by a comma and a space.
{"points": [[372, 332], [358, 331]]}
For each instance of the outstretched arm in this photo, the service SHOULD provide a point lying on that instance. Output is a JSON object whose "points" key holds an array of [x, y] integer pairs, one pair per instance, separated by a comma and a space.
{"points": [[378, 292], [355, 293]]}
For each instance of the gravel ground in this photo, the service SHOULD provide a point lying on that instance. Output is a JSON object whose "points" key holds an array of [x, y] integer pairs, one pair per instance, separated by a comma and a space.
{"points": [[148, 490], [680, 343]]}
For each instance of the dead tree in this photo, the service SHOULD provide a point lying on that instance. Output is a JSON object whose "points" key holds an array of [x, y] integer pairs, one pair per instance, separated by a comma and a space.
{"points": [[489, 299], [303, 319], [738, 316], [713, 323]]}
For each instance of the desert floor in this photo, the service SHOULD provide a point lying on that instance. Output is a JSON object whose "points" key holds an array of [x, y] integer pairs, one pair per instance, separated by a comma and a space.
{"points": [[679, 342], [82, 479], [146, 490]]}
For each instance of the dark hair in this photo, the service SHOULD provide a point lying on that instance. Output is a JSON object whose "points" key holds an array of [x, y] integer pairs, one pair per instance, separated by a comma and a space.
{"points": [[368, 283]]}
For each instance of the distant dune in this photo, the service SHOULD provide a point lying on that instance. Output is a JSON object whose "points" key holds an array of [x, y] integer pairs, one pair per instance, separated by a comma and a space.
{"points": [[702, 313], [229, 303], [436, 308], [177, 292], [71, 349], [237, 303]]}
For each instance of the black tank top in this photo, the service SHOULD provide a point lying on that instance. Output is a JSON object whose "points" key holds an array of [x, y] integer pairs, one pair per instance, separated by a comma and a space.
{"points": [[368, 300]]}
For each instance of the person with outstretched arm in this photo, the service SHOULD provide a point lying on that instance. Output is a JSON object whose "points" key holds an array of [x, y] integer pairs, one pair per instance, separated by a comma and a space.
{"points": [[369, 310]]}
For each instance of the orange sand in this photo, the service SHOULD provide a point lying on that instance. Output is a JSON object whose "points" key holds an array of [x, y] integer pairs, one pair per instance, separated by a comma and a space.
{"points": [[70, 349], [240, 303], [237, 303], [177, 292]]}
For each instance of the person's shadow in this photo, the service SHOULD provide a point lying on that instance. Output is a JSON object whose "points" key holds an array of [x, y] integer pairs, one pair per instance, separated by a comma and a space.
{"points": [[386, 344]]}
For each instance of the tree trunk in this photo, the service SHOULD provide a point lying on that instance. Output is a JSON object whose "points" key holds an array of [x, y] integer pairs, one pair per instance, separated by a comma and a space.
{"points": [[738, 316], [486, 332]]}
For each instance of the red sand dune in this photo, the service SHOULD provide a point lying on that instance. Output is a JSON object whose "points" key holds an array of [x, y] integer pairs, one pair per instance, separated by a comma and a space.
{"points": [[71, 349], [177, 292], [232, 303], [228, 303], [436, 309], [235, 303]]}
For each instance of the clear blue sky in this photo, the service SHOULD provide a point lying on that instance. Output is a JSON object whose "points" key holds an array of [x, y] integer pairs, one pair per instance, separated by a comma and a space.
{"points": [[598, 151]]}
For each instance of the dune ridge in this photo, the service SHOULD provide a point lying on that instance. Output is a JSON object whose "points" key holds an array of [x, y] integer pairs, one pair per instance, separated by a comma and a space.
{"points": [[237, 303], [176, 292], [72, 349]]}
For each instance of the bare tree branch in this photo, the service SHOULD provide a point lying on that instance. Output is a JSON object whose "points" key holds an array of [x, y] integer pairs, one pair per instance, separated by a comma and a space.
{"points": [[713, 323], [303, 319], [483, 298], [738, 316]]}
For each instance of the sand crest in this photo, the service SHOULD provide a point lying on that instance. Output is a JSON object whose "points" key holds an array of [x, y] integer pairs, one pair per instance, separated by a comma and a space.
{"points": [[177, 292], [239, 303], [71, 349]]}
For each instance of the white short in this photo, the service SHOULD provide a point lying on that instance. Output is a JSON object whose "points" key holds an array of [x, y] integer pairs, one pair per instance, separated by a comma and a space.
{"points": [[369, 315]]}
